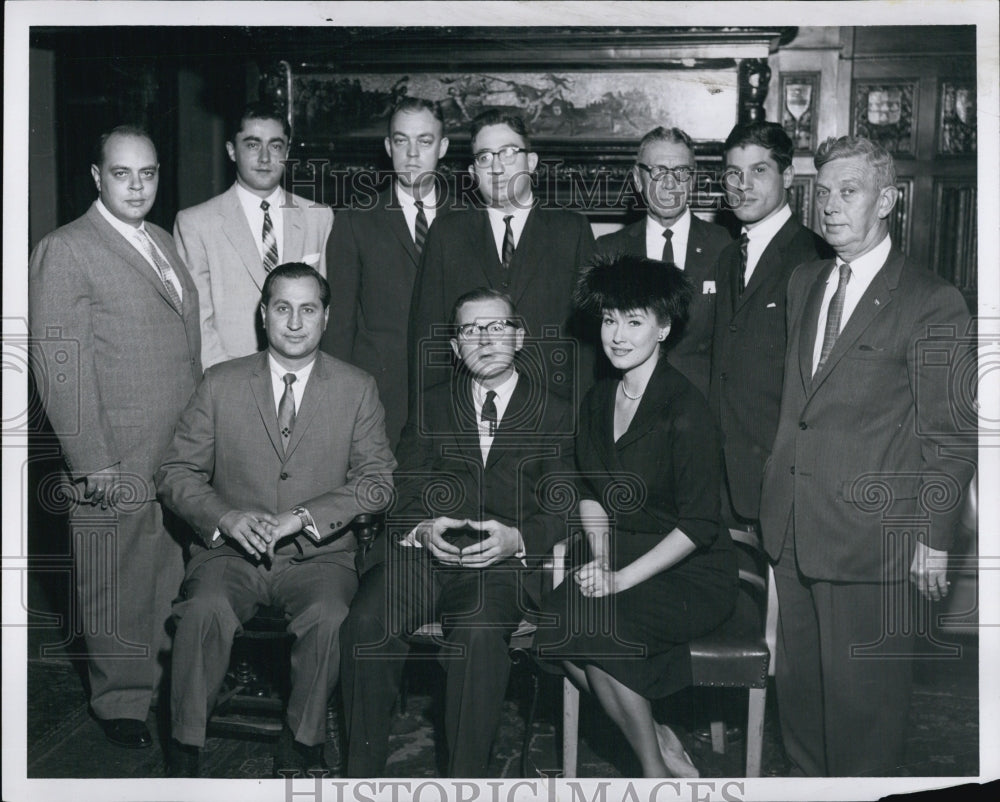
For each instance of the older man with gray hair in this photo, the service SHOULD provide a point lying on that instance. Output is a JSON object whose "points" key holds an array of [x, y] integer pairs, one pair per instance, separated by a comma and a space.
{"points": [[866, 438]]}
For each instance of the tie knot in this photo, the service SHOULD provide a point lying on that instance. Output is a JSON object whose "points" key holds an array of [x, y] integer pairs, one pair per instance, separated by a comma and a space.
{"points": [[506, 221], [490, 396], [288, 379], [744, 238], [265, 206], [667, 234], [419, 204]]}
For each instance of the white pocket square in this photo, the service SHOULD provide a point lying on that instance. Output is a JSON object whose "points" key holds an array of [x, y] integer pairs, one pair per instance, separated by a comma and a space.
{"points": [[310, 258], [772, 305], [708, 288]]}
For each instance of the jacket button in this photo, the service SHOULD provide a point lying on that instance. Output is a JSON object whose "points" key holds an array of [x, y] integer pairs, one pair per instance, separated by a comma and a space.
{"points": [[723, 376], [333, 526], [803, 425], [732, 327], [284, 475], [792, 470]]}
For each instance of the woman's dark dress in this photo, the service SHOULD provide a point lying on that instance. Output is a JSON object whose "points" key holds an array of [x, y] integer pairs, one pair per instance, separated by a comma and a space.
{"points": [[663, 473]]}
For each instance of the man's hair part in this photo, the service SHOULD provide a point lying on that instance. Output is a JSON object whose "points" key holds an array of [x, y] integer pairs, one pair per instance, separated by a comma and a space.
{"points": [[294, 270], [412, 105], [768, 135], [883, 167], [259, 111], [673, 135]]}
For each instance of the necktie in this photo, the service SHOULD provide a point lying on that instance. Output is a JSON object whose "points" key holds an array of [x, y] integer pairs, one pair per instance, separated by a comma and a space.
{"points": [[269, 240], [286, 409], [489, 412], [507, 253], [420, 229], [668, 249], [834, 314], [744, 240], [164, 269]]}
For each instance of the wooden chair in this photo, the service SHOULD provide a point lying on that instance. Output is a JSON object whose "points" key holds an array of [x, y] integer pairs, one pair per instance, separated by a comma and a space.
{"points": [[738, 654]]}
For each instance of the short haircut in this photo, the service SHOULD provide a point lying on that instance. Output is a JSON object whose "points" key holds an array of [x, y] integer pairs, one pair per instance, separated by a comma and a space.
{"points": [[661, 134], [411, 105], [259, 111], [627, 283], [480, 294], [770, 136], [883, 168], [499, 117], [127, 129], [295, 270]]}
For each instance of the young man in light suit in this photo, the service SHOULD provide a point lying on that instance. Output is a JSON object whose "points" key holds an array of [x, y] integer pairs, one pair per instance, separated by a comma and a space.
{"points": [[230, 242], [110, 291], [272, 459], [468, 534], [863, 487]]}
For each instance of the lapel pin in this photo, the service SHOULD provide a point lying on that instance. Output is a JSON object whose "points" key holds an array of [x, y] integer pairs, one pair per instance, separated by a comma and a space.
{"points": [[876, 302], [697, 250]]}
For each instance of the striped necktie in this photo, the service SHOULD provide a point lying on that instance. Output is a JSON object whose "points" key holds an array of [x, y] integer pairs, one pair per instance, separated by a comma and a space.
{"points": [[744, 241], [269, 240], [489, 413], [833, 316], [165, 271], [507, 252], [420, 228]]}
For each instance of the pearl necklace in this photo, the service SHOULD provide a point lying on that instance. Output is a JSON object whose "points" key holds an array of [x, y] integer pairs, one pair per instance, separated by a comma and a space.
{"points": [[625, 392]]}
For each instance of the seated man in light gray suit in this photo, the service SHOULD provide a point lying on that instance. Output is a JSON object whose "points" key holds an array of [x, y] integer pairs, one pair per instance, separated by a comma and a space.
{"points": [[231, 241], [274, 456]]}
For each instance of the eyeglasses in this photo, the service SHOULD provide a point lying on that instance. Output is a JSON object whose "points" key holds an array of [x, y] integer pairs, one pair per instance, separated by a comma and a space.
{"points": [[506, 154], [495, 329], [657, 172]]}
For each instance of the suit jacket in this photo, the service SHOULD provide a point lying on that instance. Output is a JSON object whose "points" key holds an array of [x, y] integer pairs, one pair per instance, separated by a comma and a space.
{"points": [[748, 355], [372, 266], [691, 352], [101, 317], [226, 453], [866, 441], [460, 255], [216, 243], [441, 469]]}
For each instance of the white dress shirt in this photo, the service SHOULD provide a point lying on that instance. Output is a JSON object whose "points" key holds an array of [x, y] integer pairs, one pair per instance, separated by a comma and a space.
{"points": [[759, 236], [255, 217], [500, 228], [679, 241], [409, 207], [863, 271], [129, 232]]}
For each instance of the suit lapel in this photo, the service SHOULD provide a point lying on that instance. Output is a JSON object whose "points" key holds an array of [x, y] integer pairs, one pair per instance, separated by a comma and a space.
{"points": [[529, 255], [260, 386], [395, 221], [189, 306], [696, 267], [308, 404], [514, 419], [294, 235], [770, 260], [810, 320], [464, 424], [237, 229]]}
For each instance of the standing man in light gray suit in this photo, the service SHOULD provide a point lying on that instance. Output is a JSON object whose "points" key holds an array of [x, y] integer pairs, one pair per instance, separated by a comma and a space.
{"points": [[274, 456], [112, 287], [230, 242], [861, 492]]}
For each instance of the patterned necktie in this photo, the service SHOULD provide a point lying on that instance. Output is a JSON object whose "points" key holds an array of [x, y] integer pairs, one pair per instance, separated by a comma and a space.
{"points": [[420, 229], [286, 409], [269, 240], [489, 412], [744, 241], [834, 315], [162, 267], [668, 248], [507, 253]]}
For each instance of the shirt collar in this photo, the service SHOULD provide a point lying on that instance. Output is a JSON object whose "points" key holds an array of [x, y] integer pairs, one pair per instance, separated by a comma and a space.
{"points": [[867, 265], [121, 227], [680, 228], [408, 201], [301, 375], [251, 201], [764, 231], [504, 393], [520, 214]]}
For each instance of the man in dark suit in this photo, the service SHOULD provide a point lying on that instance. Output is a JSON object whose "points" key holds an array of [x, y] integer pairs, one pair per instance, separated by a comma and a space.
{"points": [[274, 456], [373, 255], [112, 286], [664, 173], [865, 478], [468, 534], [748, 349], [533, 254]]}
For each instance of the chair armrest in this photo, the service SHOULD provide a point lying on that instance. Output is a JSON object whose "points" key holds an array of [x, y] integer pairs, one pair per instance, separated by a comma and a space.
{"points": [[367, 526]]}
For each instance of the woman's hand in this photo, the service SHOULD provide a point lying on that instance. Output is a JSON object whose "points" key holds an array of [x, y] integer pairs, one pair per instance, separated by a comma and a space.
{"points": [[596, 579]]}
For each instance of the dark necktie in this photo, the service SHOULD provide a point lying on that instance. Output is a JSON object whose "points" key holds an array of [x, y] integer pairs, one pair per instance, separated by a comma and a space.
{"points": [[507, 252], [489, 412], [164, 269], [744, 240], [420, 229], [668, 248], [834, 315], [286, 410], [269, 240]]}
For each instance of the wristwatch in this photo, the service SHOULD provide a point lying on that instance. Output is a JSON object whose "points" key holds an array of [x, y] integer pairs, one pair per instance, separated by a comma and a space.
{"points": [[303, 516]]}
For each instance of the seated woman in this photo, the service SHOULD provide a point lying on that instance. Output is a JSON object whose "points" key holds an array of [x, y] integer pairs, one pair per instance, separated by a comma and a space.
{"points": [[662, 568]]}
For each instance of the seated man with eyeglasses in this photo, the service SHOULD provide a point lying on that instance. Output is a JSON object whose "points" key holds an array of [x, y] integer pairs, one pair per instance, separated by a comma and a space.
{"points": [[512, 244], [465, 539], [665, 175]]}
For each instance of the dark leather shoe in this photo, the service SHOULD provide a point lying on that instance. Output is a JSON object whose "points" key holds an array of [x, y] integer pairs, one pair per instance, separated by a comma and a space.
{"points": [[127, 732], [183, 760], [294, 759]]}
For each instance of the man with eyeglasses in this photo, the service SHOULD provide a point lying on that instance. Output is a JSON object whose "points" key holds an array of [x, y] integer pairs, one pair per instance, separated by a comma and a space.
{"points": [[232, 241], [664, 174], [512, 245], [467, 537], [374, 252]]}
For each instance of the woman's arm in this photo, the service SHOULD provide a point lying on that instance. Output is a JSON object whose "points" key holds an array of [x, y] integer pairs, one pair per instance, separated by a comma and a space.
{"points": [[595, 578], [594, 520]]}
